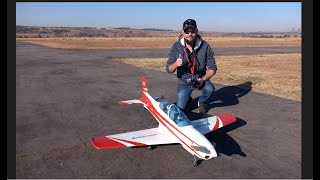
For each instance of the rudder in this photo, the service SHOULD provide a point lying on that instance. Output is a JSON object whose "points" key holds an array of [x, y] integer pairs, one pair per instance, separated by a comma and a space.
{"points": [[144, 87], [143, 100]]}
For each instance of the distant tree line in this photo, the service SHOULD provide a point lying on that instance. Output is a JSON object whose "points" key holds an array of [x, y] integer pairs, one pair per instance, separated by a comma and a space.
{"points": [[25, 29], [60, 31], [278, 36]]}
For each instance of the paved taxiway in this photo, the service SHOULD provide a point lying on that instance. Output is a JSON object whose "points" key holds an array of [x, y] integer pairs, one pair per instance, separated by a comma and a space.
{"points": [[64, 97]]}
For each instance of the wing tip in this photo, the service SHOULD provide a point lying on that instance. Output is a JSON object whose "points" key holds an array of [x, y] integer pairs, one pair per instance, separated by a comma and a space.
{"points": [[103, 142], [93, 143], [227, 118]]}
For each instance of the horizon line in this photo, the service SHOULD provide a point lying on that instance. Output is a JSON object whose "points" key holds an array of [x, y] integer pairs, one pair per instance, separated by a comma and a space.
{"points": [[150, 28]]}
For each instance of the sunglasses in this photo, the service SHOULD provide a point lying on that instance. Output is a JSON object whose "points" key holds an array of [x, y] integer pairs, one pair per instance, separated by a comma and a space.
{"points": [[189, 31]]}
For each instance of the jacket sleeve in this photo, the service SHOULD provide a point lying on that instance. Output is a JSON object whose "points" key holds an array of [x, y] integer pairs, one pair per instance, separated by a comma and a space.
{"points": [[172, 57], [211, 62]]}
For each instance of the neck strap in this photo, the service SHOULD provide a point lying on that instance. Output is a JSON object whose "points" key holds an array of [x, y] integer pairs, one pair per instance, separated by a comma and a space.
{"points": [[191, 65]]}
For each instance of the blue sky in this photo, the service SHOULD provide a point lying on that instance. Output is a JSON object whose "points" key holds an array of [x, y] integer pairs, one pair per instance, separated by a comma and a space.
{"points": [[210, 16]]}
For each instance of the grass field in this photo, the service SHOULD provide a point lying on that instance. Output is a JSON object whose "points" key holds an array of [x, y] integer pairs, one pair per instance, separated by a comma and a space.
{"points": [[140, 43], [275, 74]]}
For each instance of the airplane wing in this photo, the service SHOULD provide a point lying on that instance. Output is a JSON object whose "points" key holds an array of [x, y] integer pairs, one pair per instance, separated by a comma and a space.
{"points": [[138, 101], [146, 137], [207, 125]]}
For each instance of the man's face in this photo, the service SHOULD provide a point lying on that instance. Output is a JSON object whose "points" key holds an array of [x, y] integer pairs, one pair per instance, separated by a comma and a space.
{"points": [[190, 34]]}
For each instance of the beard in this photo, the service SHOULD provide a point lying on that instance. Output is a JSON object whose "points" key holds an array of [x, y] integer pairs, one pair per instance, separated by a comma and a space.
{"points": [[190, 42]]}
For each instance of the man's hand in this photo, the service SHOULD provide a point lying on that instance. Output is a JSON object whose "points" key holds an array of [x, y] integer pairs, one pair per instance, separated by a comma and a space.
{"points": [[179, 61], [173, 67], [200, 84]]}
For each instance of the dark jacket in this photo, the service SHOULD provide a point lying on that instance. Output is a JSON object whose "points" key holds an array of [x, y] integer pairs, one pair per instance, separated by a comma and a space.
{"points": [[204, 54]]}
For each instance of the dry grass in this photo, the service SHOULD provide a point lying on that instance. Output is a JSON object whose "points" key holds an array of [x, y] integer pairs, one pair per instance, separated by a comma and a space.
{"points": [[156, 42], [276, 74], [252, 42]]}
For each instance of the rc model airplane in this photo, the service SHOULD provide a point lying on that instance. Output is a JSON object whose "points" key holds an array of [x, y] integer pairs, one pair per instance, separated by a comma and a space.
{"points": [[174, 127]]}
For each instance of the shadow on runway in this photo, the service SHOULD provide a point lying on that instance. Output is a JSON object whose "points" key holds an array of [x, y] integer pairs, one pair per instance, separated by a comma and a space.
{"points": [[225, 96], [229, 95], [225, 144]]}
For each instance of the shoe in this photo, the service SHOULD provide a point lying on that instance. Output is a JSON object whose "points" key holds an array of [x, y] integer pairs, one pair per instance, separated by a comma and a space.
{"points": [[202, 108]]}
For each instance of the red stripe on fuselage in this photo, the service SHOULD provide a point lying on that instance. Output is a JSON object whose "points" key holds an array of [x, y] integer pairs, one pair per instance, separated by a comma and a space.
{"points": [[170, 123], [160, 119]]}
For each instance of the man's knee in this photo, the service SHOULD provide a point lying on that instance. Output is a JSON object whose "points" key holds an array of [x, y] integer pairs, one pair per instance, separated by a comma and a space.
{"points": [[183, 95], [209, 88]]}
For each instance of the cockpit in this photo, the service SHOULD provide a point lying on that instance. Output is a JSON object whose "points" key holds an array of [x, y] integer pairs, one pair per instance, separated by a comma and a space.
{"points": [[175, 113]]}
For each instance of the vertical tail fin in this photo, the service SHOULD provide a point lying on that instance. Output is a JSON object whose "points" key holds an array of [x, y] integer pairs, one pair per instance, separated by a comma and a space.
{"points": [[143, 99], [144, 87], [144, 84]]}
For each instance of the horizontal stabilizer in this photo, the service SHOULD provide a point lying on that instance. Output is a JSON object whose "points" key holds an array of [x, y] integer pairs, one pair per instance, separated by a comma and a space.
{"points": [[133, 101], [207, 125]]}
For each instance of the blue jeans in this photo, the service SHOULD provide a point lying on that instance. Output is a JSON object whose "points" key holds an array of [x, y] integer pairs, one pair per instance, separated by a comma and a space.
{"points": [[184, 92]]}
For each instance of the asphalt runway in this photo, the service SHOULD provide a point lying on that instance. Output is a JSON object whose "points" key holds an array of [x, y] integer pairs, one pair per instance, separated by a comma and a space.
{"points": [[64, 97]]}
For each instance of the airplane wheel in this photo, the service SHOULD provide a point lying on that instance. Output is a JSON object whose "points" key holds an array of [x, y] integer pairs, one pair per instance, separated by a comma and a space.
{"points": [[150, 147], [195, 163]]}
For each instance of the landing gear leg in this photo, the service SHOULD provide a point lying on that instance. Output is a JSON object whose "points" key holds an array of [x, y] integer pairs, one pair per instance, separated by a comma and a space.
{"points": [[150, 147], [195, 161]]}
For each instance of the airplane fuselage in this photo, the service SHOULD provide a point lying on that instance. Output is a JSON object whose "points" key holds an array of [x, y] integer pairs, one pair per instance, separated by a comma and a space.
{"points": [[190, 138]]}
